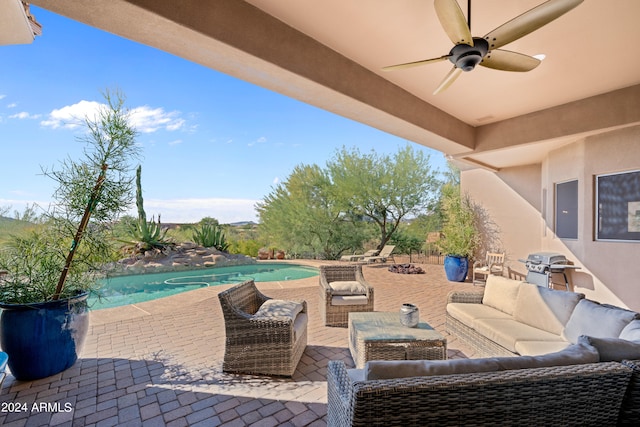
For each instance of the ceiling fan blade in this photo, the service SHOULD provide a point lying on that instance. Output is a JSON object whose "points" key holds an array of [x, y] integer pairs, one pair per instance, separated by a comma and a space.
{"points": [[529, 21], [453, 21], [448, 80], [509, 61], [415, 63]]}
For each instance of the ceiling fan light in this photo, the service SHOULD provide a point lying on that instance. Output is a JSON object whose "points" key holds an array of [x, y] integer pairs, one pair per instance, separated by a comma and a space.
{"points": [[540, 56], [468, 61]]}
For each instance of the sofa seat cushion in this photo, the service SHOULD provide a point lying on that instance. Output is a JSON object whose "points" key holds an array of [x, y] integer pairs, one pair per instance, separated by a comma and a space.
{"points": [[597, 320], [615, 349], [278, 308], [349, 300], [501, 293], [507, 332], [347, 287], [536, 348], [575, 354], [544, 308], [469, 313]]}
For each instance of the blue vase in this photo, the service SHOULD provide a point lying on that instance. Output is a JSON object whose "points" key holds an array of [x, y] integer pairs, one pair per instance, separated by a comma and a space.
{"points": [[456, 268], [43, 339]]}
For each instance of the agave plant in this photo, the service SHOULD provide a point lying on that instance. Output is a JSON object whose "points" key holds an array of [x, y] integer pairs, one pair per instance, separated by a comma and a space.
{"points": [[211, 236]]}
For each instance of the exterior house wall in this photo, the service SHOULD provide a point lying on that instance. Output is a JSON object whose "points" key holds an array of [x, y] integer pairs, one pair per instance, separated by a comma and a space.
{"points": [[521, 200]]}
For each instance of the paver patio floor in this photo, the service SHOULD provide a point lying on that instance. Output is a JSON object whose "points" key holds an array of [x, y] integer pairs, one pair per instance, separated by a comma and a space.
{"points": [[160, 363]]}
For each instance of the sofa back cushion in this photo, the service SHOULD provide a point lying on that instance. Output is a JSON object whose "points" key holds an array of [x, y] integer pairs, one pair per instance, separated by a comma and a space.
{"points": [[545, 308], [501, 293], [631, 332], [597, 320], [575, 354]]}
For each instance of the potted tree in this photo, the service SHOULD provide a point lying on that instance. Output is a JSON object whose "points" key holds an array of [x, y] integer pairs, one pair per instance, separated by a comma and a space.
{"points": [[49, 274], [460, 236]]}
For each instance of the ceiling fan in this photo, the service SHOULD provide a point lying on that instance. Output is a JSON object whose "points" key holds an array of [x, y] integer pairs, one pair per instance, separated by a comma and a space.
{"points": [[470, 51]]}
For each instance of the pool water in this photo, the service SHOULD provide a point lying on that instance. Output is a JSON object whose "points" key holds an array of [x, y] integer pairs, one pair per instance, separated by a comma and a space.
{"points": [[124, 290]]}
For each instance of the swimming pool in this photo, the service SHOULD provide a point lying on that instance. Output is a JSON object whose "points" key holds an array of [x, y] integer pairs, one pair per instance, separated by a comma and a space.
{"points": [[124, 290]]}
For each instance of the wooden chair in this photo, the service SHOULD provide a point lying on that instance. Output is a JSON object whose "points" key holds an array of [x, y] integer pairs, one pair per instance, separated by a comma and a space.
{"points": [[492, 264], [343, 290]]}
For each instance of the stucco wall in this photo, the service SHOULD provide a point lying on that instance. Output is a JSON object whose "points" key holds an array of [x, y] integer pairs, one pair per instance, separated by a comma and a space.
{"points": [[521, 202]]}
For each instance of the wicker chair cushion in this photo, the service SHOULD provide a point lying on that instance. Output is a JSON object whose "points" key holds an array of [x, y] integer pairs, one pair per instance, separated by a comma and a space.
{"points": [[631, 332], [544, 308], [596, 320], [615, 349], [279, 308], [347, 288], [575, 354], [300, 326], [349, 300], [501, 293]]}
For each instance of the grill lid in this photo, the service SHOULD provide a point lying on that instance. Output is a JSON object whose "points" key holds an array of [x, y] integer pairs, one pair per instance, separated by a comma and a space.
{"points": [[547, 258]]}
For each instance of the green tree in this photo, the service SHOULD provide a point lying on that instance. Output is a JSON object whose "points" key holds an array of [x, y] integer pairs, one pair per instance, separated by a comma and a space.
{"points": [[383, 189], [301, 215]]}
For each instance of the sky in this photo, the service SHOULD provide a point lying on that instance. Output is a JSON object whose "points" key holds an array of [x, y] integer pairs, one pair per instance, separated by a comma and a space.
{"points": [[212, 145]]}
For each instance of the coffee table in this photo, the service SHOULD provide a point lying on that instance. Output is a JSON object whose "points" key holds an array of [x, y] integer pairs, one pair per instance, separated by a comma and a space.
{"points": [[381, 336]]}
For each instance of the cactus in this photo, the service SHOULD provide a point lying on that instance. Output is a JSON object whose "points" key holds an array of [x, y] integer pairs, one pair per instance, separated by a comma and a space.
{"points": [[148, 234]]}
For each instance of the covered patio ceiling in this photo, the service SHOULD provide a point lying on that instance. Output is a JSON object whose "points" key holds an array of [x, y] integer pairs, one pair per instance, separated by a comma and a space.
{"points": [[330, 54]]}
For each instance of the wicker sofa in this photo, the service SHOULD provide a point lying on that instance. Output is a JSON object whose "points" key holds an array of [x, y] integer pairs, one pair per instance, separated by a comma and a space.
{"points": [[263, 335], [510, 318], [591, 394]]}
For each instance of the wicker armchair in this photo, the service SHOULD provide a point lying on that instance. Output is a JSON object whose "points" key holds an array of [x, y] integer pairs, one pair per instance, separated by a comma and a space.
{"points": [[335, 304], [259, 344]]}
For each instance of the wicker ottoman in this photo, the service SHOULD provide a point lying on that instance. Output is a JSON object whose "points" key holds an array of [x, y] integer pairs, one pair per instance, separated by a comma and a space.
{"points": [[380, 336]]}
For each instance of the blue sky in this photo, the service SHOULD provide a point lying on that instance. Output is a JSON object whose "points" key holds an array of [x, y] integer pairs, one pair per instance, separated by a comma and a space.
{"points": [[213, 145]]}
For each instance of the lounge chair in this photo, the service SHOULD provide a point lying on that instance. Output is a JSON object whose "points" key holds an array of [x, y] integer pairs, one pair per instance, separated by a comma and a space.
{"points": [[352, 258], [263, 335], [383, 256], [343, 290]]}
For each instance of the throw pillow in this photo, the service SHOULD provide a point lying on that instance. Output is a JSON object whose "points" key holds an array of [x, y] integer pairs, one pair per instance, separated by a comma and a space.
{"points": [[347, 288], [545, 308], [615, 349], [631, 332], [596, 320], [501, 293], [278, 308]]}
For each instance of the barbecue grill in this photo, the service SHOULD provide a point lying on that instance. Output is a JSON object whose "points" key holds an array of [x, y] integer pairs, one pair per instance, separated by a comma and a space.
{"points": [[541, 265]]}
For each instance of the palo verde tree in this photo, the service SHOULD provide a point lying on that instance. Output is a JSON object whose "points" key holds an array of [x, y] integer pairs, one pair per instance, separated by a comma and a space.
{"points": [[383, 189], [301, 214]]}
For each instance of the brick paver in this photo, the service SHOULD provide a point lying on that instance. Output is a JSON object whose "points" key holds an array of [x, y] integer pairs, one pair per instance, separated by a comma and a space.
{"points": [[160, 363]]}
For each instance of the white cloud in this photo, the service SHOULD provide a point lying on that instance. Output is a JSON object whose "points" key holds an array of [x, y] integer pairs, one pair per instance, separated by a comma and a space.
{"points": [[144, 119], [193, 210], [72, 116], [176, 142], [24, 115], [276, 180], [148, 120], [12, 105], [260, 140], [2, 96]]}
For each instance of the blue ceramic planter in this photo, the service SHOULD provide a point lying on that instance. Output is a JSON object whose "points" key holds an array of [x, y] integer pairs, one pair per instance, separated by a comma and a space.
{"points": [[43, 339], [456, 268]]}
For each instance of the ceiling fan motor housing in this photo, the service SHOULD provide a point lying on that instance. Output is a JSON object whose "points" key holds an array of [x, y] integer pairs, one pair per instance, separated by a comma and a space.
{"points": [[466, 57]]}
